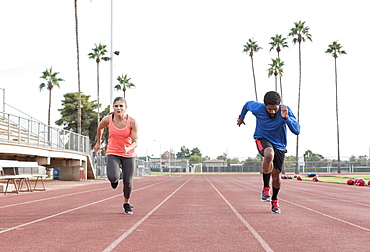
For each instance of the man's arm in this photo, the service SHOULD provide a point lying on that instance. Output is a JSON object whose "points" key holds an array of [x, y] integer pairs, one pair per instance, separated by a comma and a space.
{"points": [[245, 109], [290, 120]]}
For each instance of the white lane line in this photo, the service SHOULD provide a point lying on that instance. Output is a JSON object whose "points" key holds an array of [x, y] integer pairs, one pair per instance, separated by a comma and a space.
{"points": [[329, 216], [331, 198], [128, 232], [70, 210], [310, 209], [251, 229], [54, 215], [71, 194], [44, 199]]}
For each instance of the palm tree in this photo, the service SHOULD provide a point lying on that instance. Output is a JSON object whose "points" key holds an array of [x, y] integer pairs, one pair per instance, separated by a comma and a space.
{"points": [[250, 47], [51, 80], [277, 43], [335, 49], [78, 73], [276, 68], [300, 33], [97, 53], [124, 83]]}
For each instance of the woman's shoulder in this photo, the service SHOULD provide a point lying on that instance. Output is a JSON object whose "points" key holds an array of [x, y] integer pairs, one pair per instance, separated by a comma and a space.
{"points": [[107, 118], [133, 122]]}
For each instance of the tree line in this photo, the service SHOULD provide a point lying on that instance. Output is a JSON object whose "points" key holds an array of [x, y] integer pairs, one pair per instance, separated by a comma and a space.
{"points": [[299, 33]]}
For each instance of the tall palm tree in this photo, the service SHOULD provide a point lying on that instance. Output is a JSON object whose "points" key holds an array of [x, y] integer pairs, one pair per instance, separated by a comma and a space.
{"points": [[277, 43], [51, 80], [335, 49], [276, 68], [300, 33], [78, 73], [97, 54], [250, 47], [124, 83]]}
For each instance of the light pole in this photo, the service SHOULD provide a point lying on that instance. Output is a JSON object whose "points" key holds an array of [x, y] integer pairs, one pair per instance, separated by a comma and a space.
{"points": [[111, 72], [160, 155], [111, 50]]}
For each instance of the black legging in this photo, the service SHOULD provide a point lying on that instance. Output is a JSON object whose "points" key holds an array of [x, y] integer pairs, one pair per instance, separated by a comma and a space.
{"points": [[114, 163]]}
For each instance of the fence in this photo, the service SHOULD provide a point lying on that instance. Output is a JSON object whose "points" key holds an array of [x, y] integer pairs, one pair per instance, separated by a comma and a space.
{"points": [[20, 130], [289, 166], [142, 168]]}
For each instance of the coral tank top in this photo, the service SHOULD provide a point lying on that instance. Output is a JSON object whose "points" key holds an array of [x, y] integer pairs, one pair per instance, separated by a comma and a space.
{"points": [[118, 138]]}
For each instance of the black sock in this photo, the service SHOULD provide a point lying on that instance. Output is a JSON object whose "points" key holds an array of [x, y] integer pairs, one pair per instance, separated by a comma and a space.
{"points": [[275, 192], [266, 179]]}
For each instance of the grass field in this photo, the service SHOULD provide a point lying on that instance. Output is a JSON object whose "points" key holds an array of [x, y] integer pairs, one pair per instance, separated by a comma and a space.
{"points": [[329, 178], [337, 178]]}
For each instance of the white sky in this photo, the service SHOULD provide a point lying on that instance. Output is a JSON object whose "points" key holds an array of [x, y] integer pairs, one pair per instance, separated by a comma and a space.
{"points": [[191, 77]]}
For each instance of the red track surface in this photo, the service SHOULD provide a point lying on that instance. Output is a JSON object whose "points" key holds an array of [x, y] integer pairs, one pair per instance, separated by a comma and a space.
{"points": [[187, 213]]}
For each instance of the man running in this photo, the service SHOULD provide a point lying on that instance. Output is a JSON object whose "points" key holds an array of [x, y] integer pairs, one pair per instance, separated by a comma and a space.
{"points": [[271, 140]]}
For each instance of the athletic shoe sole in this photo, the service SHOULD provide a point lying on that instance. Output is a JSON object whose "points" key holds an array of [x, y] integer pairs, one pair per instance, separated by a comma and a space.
{"points": [[267, 199], [127, 212], [276, 211], [114, 185]]}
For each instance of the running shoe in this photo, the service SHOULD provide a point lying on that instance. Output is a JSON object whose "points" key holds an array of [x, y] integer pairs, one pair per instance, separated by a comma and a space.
{"points": [[114, 185], [265, 194], [127, 208], [275, 207]]}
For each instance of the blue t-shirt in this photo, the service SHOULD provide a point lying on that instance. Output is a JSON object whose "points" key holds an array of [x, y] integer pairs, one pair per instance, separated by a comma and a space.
{"points": [[274, 130]]}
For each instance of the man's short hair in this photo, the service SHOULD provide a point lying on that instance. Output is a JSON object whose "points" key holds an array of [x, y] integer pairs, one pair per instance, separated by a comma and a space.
{"points": [[272, 98]]}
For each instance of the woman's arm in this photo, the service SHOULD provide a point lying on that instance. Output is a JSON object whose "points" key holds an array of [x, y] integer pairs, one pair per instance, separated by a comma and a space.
{"points": [[99, 132], [134, 137]]}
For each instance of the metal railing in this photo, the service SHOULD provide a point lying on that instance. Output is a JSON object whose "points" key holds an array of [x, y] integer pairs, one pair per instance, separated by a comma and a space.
{"points": [[20, 130]]}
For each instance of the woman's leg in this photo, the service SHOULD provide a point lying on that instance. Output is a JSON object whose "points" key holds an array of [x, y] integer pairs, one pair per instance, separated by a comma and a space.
{"points": [[113, 168], [127, 174]]}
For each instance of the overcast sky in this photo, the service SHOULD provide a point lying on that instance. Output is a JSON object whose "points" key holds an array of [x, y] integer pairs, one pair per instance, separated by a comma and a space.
{"points": [[192, 78]]}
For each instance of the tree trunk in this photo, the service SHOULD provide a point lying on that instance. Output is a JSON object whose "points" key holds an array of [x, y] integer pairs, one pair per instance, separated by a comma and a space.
{"points": [[48, 131], [97, 74], [275, 83], [281, 90], [281, 87], [78, 74], [299, 104], [336, 99], [254, 79]]}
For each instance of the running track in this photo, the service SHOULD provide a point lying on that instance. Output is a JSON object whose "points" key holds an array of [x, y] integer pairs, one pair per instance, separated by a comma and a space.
{"points": [[187, 213]]}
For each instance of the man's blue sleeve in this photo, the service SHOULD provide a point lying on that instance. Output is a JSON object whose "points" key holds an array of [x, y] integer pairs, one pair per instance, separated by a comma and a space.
{"points": [[245, 109], [292, 123]]}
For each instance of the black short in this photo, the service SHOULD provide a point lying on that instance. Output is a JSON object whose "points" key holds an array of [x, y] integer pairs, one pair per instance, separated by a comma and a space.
{"points": [[279, 155]]}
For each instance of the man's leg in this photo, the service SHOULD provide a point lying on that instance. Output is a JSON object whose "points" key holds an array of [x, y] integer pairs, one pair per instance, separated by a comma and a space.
{"points": [[278, 164], [267, 168], [276, 183], [267, 152], [276, 179]]}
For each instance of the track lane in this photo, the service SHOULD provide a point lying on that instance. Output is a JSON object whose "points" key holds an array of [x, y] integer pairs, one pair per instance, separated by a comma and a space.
{"points": [[196, 218], [82, 222], [306, 220]]}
